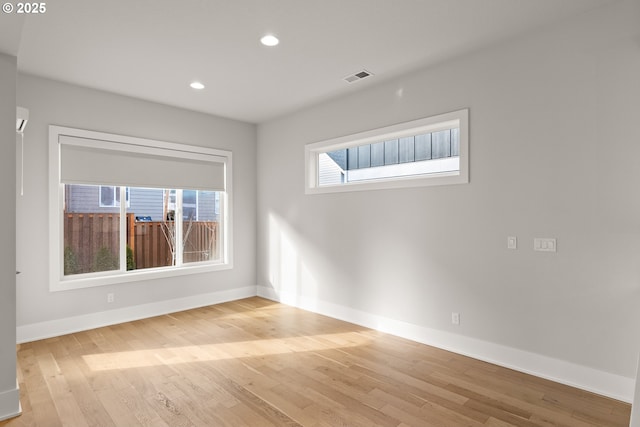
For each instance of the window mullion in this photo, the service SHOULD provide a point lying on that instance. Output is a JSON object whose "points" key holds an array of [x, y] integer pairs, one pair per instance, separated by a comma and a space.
{"points": [[123, 229], [178, 227], [222, 243]]}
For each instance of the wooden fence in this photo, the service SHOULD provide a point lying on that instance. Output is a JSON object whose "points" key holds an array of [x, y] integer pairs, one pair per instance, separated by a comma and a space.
{"points": [[92, 242]]}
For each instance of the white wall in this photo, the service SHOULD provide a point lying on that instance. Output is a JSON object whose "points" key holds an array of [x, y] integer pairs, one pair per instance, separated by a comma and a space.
{"points": [[555, 152], [9, 404], [44, 313]]}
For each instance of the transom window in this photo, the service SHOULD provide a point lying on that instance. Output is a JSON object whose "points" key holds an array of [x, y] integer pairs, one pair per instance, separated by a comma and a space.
{"points": [[430, 151], [174, 221]]}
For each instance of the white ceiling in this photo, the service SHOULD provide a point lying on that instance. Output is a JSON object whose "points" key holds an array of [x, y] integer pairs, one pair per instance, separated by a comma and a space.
{"points": [[153, 49]]}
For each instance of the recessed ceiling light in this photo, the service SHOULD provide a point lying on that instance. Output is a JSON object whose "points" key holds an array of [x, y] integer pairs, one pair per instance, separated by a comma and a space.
{"points": [[197, 85], [269, 40]]}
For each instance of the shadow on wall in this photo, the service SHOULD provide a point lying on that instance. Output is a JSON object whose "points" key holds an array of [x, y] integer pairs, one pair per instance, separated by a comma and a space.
{"points": [[289, 275]]}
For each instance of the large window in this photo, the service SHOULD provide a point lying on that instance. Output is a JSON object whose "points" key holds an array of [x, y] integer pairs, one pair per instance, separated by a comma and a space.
{"points": [[430, 151], [175, 219]]}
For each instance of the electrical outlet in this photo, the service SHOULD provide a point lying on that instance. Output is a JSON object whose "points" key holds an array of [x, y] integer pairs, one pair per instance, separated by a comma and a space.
{"points": [[110, 297], [455, 318]]}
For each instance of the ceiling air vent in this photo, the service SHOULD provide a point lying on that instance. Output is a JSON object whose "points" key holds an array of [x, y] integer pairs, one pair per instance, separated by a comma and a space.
{"points": [[357, 76]]}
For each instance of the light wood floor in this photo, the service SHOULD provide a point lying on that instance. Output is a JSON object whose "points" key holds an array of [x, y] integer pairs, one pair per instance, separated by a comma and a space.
{"points": [[258, 363]]}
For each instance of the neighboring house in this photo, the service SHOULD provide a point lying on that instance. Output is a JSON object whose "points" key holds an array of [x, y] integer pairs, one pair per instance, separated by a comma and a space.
{"points": [[142, 202]]}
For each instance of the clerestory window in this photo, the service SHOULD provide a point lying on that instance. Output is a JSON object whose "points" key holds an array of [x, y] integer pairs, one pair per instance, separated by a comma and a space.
{"points": [[430, 151]]}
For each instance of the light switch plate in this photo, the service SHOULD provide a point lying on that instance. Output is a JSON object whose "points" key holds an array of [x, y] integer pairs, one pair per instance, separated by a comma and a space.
{"points": [[544, 244], [512, 242]]}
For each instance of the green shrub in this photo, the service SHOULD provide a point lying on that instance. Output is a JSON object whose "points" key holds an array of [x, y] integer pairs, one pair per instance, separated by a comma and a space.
{"points": [[105, 260], [131, 261], [70, 262]]}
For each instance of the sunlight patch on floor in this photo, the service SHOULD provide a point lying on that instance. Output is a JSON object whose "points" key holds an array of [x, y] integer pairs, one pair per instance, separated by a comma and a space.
{"points": [[211, 352]]}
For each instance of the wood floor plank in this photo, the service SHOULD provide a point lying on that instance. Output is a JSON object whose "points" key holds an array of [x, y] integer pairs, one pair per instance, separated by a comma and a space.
{"points": [[431, 413], [66, 404], [39, 398], [254, 362], [88, 402]]}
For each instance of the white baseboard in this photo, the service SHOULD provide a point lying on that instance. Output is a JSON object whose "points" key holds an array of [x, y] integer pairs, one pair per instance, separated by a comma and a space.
{"points": [[10, 404], [635, 406], [54, 328], [583, 377]]}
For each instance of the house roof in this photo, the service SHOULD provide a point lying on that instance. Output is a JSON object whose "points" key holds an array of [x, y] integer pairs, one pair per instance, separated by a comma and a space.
{"points": [[153, 49]]}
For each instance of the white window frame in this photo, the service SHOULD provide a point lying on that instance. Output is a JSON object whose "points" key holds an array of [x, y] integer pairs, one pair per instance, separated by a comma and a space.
{"points": [[60, 282], [196, 206], [173, 204], [456, 119], [116, 202]]}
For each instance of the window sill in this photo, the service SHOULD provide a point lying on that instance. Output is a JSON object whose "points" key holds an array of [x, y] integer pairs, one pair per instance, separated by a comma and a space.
{"points": [[442, 178], [92, 280]]}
